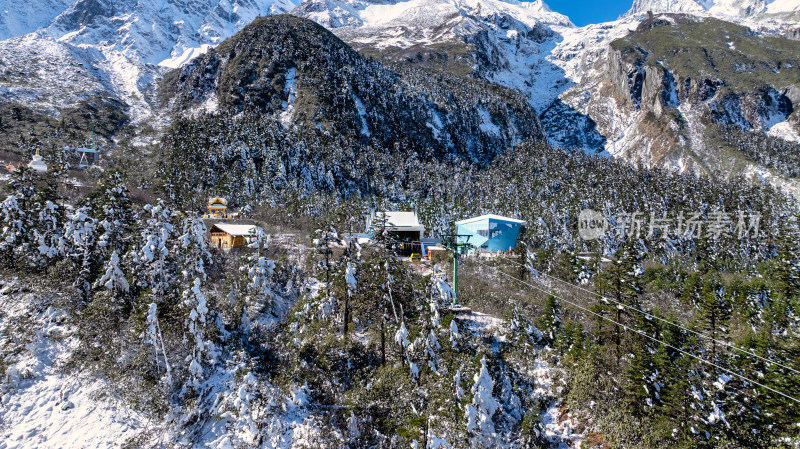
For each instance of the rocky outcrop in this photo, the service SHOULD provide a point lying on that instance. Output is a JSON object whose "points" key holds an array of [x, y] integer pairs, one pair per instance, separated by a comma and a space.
{"points": [[650, 88], [626, 73]]}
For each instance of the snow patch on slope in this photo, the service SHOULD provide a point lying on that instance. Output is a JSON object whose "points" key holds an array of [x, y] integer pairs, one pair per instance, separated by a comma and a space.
{"points": [[18, 18], [558, 429], [765, 175], [52, 410], [487, 126], [362, 115], [784, 130], [44, 407], [290, 90], [187, 55]]}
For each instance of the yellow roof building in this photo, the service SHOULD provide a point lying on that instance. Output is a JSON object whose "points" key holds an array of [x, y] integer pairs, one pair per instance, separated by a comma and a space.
{"points": [[217, 206]]}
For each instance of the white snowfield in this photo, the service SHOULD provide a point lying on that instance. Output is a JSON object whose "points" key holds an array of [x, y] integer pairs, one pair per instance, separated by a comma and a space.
{"points": [[758, 10], [42, 406]]}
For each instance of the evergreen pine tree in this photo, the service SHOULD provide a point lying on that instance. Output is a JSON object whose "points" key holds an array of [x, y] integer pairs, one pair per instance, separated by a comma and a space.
{"points": [[711, 319], [111, 206], [195, 301], [79, 245], [152, 256], [15, 225], [619, 280], [482, 409], [195, 256], [113, 280], [550, 319]]}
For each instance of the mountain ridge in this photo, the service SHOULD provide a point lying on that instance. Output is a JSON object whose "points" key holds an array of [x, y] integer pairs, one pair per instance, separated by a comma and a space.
{"points": [[301, 74], [562, 69]]}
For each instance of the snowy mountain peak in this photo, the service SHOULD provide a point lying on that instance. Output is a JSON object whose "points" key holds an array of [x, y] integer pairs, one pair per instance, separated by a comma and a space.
{"points": [[422, 13], [759, 10], [20, 18], [150, 31]]}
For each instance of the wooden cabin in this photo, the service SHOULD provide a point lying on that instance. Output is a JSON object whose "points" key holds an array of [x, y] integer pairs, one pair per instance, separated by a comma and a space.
{"points": [[228, 236]]}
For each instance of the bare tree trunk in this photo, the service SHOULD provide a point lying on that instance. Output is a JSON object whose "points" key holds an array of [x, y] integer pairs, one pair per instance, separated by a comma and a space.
{"points": [[383, 338], [346, 314]]}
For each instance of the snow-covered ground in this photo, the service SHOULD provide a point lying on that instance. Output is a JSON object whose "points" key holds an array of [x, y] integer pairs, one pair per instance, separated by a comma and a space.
{"points": [[42, 406], [559, 428], [784, 130], [482, 324]]}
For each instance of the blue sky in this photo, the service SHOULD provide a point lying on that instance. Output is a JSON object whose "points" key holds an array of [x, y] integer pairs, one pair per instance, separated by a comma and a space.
{"points": [[584, 12]]}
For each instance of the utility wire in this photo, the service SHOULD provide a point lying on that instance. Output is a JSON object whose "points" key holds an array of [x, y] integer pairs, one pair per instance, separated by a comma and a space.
{"points": [[664, 320], [733, 373]]}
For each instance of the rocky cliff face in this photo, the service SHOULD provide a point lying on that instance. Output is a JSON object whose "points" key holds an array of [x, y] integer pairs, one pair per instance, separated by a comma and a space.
{"points": [[652, 88], [673, 94]]}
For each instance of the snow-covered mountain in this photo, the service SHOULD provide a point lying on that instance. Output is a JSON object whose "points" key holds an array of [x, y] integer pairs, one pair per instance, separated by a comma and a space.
{"points": [[19, 18], [149, 31], [770, 16], [503, 41], [522, 45], [732, 9], [157, 31], [568, 73], [117, 48]]}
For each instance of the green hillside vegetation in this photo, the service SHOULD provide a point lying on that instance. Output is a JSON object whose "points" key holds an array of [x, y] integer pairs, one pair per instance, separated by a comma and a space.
{"points": [[711, 48]]}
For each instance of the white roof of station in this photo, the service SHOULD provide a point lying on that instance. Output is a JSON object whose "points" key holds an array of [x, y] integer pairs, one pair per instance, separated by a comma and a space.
{"points": [[401, 221]]}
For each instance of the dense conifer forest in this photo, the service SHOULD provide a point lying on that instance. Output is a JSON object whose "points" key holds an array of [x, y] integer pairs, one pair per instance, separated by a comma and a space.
{"points": [[676, 327]]}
